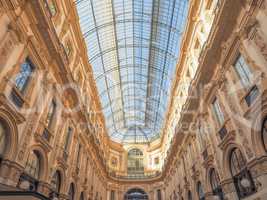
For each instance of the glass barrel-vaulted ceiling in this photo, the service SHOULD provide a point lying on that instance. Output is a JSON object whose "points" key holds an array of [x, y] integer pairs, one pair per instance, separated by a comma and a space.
{"points": [[133, 46]]}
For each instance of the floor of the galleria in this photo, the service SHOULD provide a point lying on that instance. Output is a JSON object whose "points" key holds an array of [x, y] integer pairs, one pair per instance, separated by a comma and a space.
{"points": [[133, 99]]}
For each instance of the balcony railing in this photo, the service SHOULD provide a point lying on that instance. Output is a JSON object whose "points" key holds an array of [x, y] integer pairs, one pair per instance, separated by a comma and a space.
{"points": [[137, 176], [134, 169]]}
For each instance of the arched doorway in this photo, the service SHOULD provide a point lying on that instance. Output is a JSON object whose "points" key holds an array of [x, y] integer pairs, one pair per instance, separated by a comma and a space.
{"points": [[135, 161], [135, 194]]}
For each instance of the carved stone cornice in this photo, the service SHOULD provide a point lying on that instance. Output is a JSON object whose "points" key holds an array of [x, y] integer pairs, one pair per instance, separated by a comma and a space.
{"points": [[11, 110]]}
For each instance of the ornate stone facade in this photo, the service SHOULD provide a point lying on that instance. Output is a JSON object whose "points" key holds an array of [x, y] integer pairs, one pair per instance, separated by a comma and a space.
{"points": [[54, 131]]}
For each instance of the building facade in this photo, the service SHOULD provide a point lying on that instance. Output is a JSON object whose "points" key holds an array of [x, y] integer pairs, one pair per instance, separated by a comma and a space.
{"points": [[53, 138]]}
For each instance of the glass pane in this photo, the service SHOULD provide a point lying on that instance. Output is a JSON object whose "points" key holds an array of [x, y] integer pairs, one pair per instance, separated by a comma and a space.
{"points": [[133, 46], [201, 193], [218, 112], [23, 76], [243, 71]]}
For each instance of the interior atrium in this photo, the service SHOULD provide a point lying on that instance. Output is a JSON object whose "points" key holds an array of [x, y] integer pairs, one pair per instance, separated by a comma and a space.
{"points": [[133, 99]]}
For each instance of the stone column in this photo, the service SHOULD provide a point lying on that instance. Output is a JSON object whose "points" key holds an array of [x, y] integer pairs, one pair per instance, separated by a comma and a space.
{"points": [[108, 194], [151, 195], [44, 188], [163, 193]]}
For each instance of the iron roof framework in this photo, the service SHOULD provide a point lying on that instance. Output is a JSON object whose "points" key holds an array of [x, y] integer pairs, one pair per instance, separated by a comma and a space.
{"points": [[133, 46]]}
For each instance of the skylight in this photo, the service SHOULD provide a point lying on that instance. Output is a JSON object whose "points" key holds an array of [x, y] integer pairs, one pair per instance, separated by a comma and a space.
{"points": [[133, 47]]}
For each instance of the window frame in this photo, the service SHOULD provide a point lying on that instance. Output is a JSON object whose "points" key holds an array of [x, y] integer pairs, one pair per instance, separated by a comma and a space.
{"points": [[82, 196], [26, 78], [32, 164], [135, 161], [237, 161], [68, 138], [51, 112], [215, 184], [200, 191], [112, 195], [56, 181], [241, 172], [217, 111], [189, 195], [214, 179], [71, 192], [159, 196], [243, 71]]}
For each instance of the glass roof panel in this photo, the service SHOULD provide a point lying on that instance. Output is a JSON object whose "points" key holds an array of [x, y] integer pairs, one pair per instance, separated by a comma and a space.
{"points": [[133, 46]]}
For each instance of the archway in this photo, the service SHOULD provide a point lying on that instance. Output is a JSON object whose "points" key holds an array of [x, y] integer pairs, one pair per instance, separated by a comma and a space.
{"points": [[135, 194], [135, 161]]}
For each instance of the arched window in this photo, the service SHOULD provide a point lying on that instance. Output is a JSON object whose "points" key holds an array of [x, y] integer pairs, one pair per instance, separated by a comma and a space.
{"points": [[242, 178], [50, 114], [135, 193], [243, 70], [67, 143], [135, 161], [112, 195], [237, 162], [71, 192], [3, 139], [264, 133], [175, 196], [159, 194], [135, 152], [215, 184], [189, 195], [56, 182], [82, 196], [201, 194], [29, 179], [33, 165]]}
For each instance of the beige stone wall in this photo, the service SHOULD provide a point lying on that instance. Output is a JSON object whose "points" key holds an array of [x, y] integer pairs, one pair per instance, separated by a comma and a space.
{"points": [[49, 35], [53, 43], [239, 27]]}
